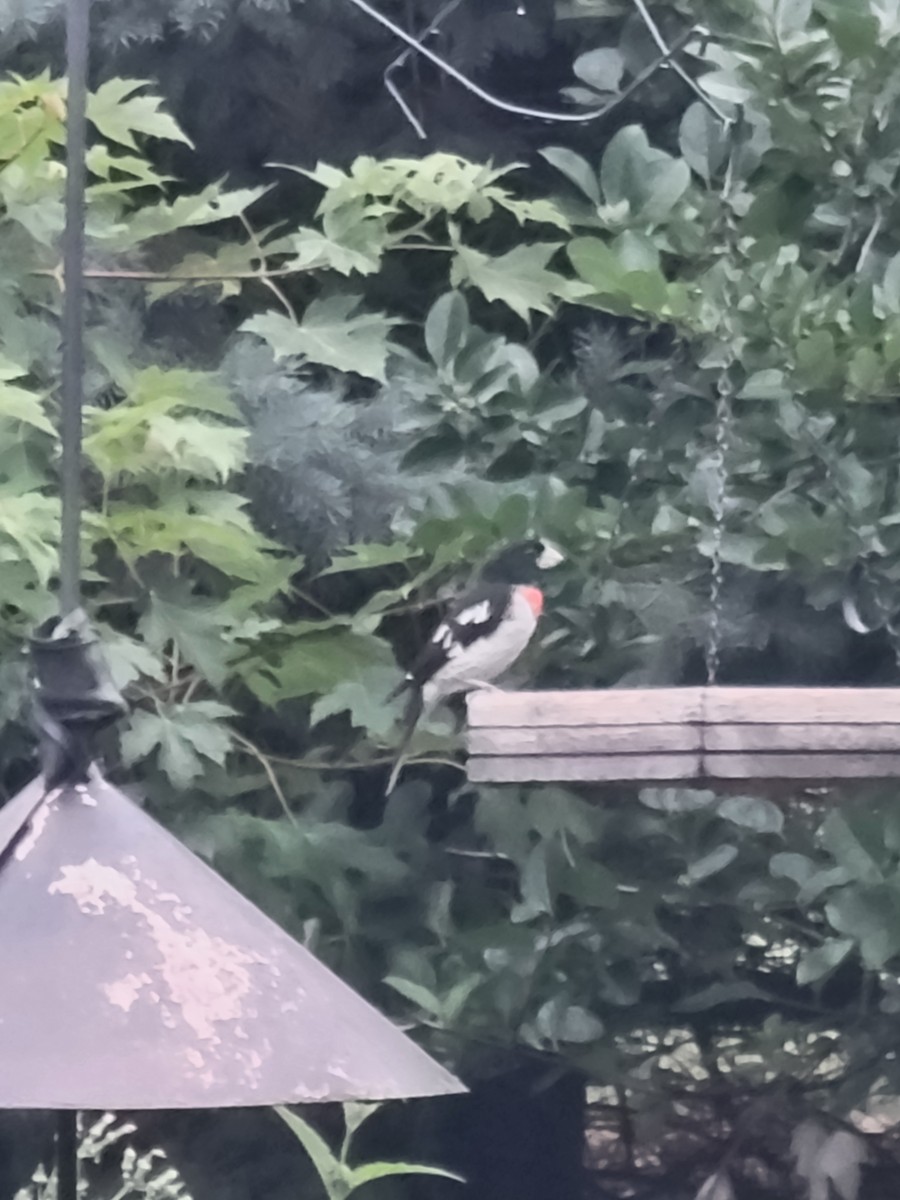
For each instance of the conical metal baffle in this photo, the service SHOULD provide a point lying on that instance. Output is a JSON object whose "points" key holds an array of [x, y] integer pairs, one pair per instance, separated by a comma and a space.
{"points": [[133, 977]]}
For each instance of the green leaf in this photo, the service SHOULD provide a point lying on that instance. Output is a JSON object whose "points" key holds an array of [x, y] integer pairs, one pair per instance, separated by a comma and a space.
{"points": [[207, 207], [199, 723], [601, 69], [313, 250], [519, 279], [579, 1025], [356, 1113], [127, 659], [369, 1172], [119, 113], [534, 886], [420, 995], [889, 291], [848, 851], [866, 370], [446, 328], [650, 181], [727, 992], [791, 16], [576, 169], [558, 1021], [677, 800], [22, 406], [618, 288], [183, 734], [540, 212], [769, 384], [369, 556], [820, 882], [29, 525], [332, 332], [752, 812], [637, 252], [364, 701], [793, 866], [702, 140], [815, 964], [195, 627], [328, 1166], [154, 429], [871, 917], [711, 864], [195, 446], [817, 359], [315, 664]]}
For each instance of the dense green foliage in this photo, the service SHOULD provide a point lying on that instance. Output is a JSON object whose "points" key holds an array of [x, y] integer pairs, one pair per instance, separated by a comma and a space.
{"points": [[316, 399]]}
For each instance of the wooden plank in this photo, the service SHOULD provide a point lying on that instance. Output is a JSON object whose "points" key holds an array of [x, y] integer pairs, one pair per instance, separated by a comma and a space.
{"points": [[841, 706], [584, 768], [801, 766], [824, 738], [673, 706], [622, 706], [674, 768], [557, 740]]}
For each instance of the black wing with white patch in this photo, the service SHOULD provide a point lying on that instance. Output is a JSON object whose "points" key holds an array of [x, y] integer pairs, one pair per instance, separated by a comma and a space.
{"points": [[474, 615]]}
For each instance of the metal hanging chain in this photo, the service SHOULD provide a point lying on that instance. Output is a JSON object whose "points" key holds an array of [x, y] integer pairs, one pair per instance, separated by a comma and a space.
{"points": [[717, 507], [72, 389]]}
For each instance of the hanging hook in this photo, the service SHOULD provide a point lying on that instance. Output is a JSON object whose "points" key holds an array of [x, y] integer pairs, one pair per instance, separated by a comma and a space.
{"points": [[73, 697]]}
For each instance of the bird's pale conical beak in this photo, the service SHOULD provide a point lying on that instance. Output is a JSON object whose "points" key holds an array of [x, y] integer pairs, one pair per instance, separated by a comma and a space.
{"points": [[550, 557]]}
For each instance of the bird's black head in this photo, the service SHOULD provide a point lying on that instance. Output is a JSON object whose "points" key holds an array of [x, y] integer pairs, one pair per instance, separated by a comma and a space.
{"points": [[523, 562]]}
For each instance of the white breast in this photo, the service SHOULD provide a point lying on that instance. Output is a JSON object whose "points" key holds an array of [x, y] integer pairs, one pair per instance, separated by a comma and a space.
{"points": [[488, 657]]}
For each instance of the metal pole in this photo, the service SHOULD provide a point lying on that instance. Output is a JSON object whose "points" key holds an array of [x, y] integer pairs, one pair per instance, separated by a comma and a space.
{"points": [[67, 1154], [77, 30]]}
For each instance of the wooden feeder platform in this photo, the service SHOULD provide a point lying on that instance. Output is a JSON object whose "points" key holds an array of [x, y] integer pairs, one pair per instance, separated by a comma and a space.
{"points": [[697, 734]]}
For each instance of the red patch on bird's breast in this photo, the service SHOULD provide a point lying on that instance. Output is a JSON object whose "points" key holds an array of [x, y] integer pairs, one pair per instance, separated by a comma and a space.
{"points": [[534, 597]]}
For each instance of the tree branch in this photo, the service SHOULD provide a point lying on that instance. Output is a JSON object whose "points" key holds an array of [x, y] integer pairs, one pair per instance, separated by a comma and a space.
{"points": [[264, 272], [266, 764], [698, 91], [169, 277], [519, 109], [403, 56]]}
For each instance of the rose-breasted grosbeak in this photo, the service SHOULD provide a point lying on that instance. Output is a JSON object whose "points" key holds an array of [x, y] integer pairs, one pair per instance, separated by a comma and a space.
{"points": [[481, 635]]}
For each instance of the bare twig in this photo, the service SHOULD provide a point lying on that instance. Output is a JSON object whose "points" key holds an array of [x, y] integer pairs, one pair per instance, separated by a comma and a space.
{"points": [[310, 600], [264, 273], [698, 91], [870, 241], [403, 56], [266, 763], [395, 92], [177, 277], [520, 109], [384, 760]]}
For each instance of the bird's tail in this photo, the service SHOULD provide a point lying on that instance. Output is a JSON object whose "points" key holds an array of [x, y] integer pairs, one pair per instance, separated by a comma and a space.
{"points": [[410, 720]]}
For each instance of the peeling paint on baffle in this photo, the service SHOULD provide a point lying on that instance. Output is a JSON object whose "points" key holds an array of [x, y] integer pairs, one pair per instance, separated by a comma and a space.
{"points": [[206, 978], [36, 826]]}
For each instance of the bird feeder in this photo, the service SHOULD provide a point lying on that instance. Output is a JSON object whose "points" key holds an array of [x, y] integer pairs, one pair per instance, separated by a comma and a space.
{"points": [[695, 735], [133, 976]]}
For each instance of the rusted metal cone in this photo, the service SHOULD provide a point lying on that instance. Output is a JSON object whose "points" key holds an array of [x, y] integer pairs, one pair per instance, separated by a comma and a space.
{"points": [[133, 977]]}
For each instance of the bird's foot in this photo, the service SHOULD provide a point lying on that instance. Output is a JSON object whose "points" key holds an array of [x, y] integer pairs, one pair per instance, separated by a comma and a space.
{"points": [[479, 686]]}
